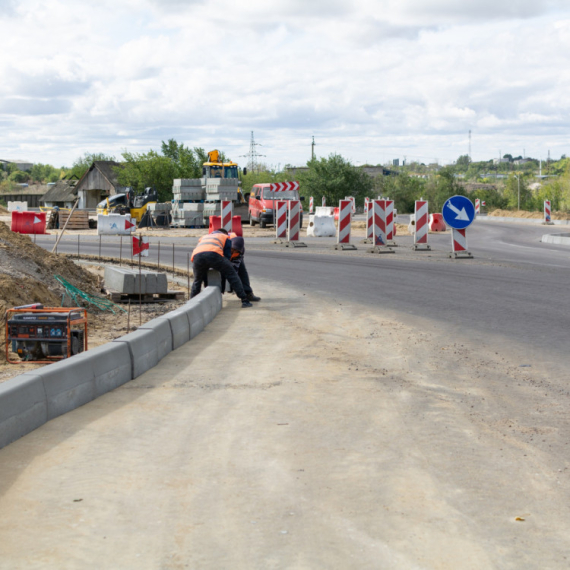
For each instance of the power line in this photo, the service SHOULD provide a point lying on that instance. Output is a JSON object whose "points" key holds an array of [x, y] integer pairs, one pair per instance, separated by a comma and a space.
{"points": [[253, 155]]}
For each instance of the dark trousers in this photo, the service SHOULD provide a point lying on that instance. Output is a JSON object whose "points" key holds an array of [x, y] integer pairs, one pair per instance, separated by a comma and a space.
{"points": [[210, 260], [244, 277]]}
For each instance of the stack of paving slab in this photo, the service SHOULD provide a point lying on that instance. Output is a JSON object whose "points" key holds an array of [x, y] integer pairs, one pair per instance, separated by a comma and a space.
{"points": [[129, 281], [188, 214], [185, 189], [221, 189]]}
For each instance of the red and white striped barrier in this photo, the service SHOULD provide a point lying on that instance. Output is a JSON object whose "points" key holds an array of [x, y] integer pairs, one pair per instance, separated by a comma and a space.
{"points": [[227, 214], [370, 221], [311, 205], [379, 228], [477, 206], [547, 212], [294, 224], [353, 200], [421, 226], [324, 202], [283, 186], [281, 225], [459, 242], [344, 224], [389, 222]]}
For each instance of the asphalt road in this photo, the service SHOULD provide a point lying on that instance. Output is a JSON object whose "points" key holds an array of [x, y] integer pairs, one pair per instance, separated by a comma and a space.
{"points": [[515, 286]]}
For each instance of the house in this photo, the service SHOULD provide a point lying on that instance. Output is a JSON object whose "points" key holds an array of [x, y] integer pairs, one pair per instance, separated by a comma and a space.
{"points": [[99, 182], [32, 194], [23, 165], [63, 194]]}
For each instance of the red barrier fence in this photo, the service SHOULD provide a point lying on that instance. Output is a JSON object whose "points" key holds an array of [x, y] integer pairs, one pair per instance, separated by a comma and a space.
{"points": [[29, 222]]}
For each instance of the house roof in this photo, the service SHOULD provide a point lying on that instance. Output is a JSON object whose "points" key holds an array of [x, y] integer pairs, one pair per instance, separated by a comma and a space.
{"points": [[61, 191], [32, 189], [106, 168]]}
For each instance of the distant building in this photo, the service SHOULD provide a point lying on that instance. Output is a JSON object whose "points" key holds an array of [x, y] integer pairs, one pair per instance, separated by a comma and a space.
{"points": [[32, 194], [396, 162], [521, 161], [23, 165], [99, 182], [501, 161], [63, 194]]}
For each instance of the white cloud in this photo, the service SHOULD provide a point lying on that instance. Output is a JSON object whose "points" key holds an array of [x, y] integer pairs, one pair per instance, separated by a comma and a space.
{"points": [[365, 77]]}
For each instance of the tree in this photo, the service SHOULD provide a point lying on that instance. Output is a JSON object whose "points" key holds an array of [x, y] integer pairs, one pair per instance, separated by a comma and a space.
{"points": [[19, 177], [83, 163], [463, 161], [441, 187], [334, 178], [403, 189], [511, 193]]}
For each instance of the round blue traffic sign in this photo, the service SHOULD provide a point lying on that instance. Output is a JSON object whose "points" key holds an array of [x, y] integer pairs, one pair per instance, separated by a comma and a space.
{"points": [[458, 212]]}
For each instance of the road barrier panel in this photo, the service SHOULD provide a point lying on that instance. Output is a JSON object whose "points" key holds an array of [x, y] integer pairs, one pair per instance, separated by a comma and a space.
{"points": [[115, 224], [344, 225], [390, 230], [143, 348], [227, 215], [17, 206], [420, 226], [281, 224], [459, 244], [477, 207], [379, 228], [23, 407], [163, 335], [369, 211], [294, 224], [311, 205], [28, 222], [547, 213]]}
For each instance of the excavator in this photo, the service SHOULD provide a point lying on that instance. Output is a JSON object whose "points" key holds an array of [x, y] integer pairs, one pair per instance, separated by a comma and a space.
{"points": [[215, 168]]}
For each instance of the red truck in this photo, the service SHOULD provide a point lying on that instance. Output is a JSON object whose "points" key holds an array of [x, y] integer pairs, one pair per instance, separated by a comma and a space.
{"points": [[262, 202]]}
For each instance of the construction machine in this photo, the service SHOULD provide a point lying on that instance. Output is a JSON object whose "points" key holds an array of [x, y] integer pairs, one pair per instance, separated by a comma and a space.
{"points": [[128, 203]]}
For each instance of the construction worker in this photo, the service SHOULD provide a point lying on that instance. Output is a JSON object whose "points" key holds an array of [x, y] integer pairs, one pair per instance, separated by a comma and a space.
{"points": [[214, 252], [238, 252]]}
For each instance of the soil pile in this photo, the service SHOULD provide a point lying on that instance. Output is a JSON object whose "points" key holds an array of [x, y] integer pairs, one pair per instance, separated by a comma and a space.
{"points": [[3, 211], [528, 215], [27, 275]]}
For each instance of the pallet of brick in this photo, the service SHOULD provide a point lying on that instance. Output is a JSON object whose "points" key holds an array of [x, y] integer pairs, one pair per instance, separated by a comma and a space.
{"points": [[230, 195], [192, 206], [79, 220], [130, 282], [187, 182], [186, 193]]}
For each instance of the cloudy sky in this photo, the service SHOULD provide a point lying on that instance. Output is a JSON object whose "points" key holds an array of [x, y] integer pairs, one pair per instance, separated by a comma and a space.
{"points": [[370, 79]]}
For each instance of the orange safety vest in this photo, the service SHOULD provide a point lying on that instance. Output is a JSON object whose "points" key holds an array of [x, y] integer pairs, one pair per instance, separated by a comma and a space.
{"points": [[211, 242]]}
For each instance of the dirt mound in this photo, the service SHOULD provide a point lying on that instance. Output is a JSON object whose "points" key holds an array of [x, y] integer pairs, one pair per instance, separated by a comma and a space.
{"points": [[528, 215], [3, 211]]}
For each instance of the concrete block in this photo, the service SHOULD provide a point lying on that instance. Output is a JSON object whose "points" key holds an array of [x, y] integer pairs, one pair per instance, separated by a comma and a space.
{"points": [[195, 314], [23, 407], [193, 206], [122, 280], [209, 303], [161, 283], [188, 182], [143, 349], [149, 283], [112, 366], [214, 279], [68, 384], [164, 207], [163, 333], [217, 196], [218, 304], [179, 326]]}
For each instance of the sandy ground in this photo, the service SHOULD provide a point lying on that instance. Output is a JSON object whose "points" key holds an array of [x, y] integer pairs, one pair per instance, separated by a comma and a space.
{"points": [[305, 433], [528, 215]]}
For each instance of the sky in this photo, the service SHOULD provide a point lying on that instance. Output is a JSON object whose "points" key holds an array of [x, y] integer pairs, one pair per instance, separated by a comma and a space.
{"points": [[372, 80]]}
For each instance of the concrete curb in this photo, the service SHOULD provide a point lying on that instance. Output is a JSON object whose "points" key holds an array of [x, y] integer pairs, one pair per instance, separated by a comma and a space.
{"points": [[557, 239], [31, 399]]}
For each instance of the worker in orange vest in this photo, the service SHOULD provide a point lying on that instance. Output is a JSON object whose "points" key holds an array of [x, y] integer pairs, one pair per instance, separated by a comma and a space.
{"points": [[238, 252], [214, 252]]}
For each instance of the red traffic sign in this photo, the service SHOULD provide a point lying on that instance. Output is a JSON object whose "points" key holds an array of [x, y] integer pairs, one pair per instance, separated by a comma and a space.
{"points": [[284, 186]]}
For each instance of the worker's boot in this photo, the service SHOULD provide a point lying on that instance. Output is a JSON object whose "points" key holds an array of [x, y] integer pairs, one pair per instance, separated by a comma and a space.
{"points": [[252, 297], [245, 304]]}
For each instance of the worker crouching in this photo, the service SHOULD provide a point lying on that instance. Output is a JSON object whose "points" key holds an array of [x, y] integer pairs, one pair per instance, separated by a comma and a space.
{"points": [[237, 259], [214, 252]]}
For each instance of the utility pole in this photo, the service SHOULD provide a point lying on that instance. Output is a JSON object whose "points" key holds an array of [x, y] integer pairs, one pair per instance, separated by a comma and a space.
{"points": [[313, 149], [469, 156], [253, 155]]}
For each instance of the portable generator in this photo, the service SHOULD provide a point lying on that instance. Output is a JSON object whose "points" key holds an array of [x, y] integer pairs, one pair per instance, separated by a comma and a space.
{"points": [[40, 334]]}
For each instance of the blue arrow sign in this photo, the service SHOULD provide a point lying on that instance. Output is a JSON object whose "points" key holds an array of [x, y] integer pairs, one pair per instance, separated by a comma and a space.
{"points": [[458, 212]]}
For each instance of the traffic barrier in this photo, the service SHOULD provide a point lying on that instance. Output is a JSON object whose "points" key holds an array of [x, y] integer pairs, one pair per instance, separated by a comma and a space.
{"points": [[23, 407], [216, 224], [412, 224], [459, 242], [421, 225], [294, 224], [281, 225], [115, 224], [477, 206], [324, 211], [547, 212], [321, 226], [227, 212], [353, 203], [344, 224], [28, 222], [311, 205], [143, 349], [369, 210], [17, 206], [379, 228], [336, 214], [436, 223], [163, 335]]}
